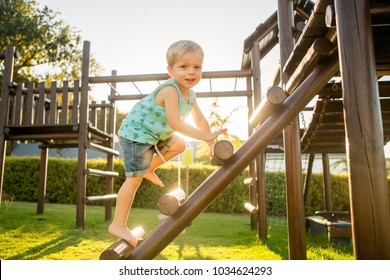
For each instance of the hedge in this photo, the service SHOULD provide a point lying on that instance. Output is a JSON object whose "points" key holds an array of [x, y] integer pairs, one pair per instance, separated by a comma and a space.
{"points": [[21, 176]]}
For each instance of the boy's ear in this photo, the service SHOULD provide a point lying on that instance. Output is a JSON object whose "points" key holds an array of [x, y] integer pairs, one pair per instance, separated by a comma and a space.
{"points": [[169, 68]]}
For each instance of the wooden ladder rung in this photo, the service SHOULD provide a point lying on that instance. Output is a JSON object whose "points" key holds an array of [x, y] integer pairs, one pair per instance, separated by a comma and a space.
{"points": [[251, 209], [97, 172], [250, 181], [100, 197], [103, 149]]}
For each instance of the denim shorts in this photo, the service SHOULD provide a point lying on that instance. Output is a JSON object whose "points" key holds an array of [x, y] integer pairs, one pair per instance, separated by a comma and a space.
{"points": [[138, 156]]}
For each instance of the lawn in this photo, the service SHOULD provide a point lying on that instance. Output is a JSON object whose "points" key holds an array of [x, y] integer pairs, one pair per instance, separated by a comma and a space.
{"points": [[24, 235]]}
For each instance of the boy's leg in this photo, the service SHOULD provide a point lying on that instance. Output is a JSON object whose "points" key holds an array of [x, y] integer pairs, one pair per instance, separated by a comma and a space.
{"points": [[124, 202], [177, 148]]}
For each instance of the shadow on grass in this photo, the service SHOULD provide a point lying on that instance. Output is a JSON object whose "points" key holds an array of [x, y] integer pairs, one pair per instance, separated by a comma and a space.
{"points": [[316, 244], [213, 236], [277, 241], [51, 247], [26, 235]]}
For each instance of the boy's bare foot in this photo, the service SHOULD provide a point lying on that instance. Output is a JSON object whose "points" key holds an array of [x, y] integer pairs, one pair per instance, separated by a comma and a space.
{"points": [[152, 177], [123, 233]]}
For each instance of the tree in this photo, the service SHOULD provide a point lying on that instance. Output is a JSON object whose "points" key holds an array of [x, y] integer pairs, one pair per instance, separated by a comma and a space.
{"points": [[43, 40], [50, 50]]}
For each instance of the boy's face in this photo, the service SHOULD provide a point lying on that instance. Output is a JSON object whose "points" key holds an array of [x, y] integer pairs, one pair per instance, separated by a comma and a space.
{"points": [[187, 70]]}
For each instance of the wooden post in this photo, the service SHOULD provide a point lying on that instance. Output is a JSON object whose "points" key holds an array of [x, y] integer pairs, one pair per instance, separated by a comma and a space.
{"points": [[306, 185], [370, 214], [292, 144], [7, 77], [200, 198], [42, 180], [327, 182], [82, 142], [262, 226], [252, 165], [261, 202], [110, 157]]}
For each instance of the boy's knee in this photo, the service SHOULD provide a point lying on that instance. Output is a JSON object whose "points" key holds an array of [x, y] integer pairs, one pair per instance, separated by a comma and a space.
{"points": [[180, 145]]}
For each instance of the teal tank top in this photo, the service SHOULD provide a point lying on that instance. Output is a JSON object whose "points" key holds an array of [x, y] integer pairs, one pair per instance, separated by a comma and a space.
{"points": [[147, 122]]}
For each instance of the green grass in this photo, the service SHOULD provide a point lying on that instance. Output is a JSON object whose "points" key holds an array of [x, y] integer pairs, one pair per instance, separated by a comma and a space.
{"points": [[24, 235]]}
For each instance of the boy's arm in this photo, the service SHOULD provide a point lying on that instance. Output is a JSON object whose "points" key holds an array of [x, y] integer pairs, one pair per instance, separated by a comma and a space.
{"points": [[202, 123], [170, 100], [199, 119]]}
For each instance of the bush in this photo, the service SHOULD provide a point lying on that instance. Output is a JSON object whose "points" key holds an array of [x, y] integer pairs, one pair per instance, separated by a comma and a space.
{"points": [[339, 194], [21, 177], [21, 180]]}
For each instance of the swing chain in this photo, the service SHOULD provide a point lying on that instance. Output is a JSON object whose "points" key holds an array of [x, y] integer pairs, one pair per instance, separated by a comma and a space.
{"points": [[320, 119]]}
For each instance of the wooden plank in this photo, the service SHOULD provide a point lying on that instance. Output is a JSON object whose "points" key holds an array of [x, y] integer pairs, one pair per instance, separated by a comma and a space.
{"points": [[65, 103], [18, 105], [101, 197], [92, 116], [336, 230], [41, 104], [53, 103], [44, 128], [28, 115], [75, 107], [97, 172], [103, 116]]}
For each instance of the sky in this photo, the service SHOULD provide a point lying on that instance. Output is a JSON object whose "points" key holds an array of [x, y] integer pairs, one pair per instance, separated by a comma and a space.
{"points": [[132, 37]]}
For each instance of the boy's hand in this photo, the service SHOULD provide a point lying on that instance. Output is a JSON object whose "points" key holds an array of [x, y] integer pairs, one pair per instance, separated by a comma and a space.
{"points": [[213, 136], [211, 147]]}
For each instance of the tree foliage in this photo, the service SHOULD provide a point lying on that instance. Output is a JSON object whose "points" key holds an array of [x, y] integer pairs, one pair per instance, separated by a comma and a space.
{"points": [[49, 48]]}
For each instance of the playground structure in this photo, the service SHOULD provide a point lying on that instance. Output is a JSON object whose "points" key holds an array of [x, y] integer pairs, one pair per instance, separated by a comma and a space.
{"points": [[319, 43]]}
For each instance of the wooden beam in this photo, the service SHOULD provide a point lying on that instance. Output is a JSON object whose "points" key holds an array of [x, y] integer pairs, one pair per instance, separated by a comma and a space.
{"points": [[370, 211], [165, 76], [274, 97], [320, 48], [292, 144], [82, 140], [327, 182]]}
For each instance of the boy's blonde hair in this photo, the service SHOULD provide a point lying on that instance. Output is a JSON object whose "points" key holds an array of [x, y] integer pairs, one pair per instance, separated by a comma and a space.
{"points": [[179, 48]]}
